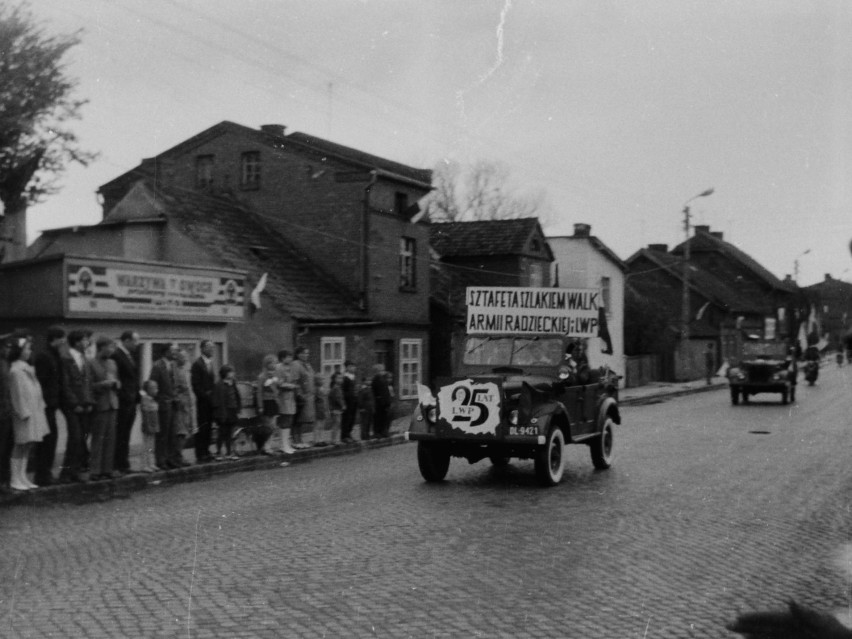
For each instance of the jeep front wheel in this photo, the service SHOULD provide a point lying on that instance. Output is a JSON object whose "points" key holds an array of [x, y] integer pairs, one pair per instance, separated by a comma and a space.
{"points": [[433, 460], [601, 446], [550, 458]]}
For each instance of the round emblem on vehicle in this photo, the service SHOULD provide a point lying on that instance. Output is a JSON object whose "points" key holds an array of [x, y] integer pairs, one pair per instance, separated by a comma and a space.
{"points": [[471, 407]]}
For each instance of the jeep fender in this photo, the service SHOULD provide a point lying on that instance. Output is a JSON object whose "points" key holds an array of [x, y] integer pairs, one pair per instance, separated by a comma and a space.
{"points": [[609, 407], [550, 412]]}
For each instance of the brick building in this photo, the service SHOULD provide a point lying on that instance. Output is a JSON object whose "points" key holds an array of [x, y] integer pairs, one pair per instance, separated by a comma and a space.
{"points": [[329, 226]]}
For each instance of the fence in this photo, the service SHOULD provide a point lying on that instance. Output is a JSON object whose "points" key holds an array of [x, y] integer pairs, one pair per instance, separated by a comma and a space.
{"points": [[641, 369]]}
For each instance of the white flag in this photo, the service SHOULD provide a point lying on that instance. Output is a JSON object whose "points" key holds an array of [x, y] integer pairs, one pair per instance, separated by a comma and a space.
{"points": [[255, 294]]}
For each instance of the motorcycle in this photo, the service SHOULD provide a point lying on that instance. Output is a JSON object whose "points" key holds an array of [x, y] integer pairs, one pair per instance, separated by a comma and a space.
{"points": [[811, 371]]}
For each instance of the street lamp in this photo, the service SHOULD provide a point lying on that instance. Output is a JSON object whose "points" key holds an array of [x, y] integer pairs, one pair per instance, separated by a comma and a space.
{"points": [[685, 302], [796, 265]]}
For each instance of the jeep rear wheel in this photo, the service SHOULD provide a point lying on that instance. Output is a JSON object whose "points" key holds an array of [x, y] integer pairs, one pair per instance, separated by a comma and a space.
{"points": [[433, 460], [550, 458], [602, 446]]}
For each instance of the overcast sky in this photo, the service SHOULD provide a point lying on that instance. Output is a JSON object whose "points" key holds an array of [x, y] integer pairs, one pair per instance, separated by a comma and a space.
{"points": [[620, 111]]}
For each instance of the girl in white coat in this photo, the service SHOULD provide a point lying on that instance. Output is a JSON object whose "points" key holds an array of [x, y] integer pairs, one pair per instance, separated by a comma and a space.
{"points": [[29, 421]]}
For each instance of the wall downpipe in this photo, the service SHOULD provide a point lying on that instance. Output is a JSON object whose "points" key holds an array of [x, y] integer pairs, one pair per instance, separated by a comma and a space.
{"points": [[365, 234]]}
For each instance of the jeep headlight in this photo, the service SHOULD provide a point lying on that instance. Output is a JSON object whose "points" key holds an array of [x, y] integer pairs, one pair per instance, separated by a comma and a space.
{"points": [[513, 417], [431, 413]]}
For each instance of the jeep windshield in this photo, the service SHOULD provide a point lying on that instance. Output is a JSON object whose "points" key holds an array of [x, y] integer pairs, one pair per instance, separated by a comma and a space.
{"points": [[513, 351]]}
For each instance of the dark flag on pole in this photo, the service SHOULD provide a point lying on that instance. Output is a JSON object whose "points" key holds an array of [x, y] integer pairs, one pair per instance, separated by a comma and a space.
{"points": [[603, 331]]}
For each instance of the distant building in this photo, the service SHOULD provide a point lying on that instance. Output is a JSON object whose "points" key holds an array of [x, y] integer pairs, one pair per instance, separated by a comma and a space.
{"points": [[831, 300], [582, 260], [731, 297], [481, 253]]}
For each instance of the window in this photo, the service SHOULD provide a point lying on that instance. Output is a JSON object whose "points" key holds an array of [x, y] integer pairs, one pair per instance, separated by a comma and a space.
{"points": [[332, 355], [409, 367], [250, 170], [407, 271], [606, 294], [204, 171], [400, 202]]}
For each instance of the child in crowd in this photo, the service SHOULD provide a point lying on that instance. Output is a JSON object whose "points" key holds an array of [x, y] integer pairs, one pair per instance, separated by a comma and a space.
{"points": [[322, 416], [226, 409], [336, 406], [150, 425]]}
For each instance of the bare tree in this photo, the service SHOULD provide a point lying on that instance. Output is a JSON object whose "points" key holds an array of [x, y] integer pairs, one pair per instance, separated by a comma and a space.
{"points": [[481, 192], [36, 103]]}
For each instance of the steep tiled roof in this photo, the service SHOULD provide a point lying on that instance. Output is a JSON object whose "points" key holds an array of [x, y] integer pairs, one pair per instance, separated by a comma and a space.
{"points": [[707, 242], [365, 159], [242, 240], [489, 237], [700, 280]]}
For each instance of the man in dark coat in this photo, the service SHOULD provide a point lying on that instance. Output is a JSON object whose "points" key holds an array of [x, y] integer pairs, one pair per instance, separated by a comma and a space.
{"points": [[203, 381], [350, 398], [77, 406], [49, 370], [382, 400], [125, 356], [6, 437]]}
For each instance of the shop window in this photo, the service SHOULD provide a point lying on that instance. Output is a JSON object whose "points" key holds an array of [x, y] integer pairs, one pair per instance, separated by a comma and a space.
{"points": [[332, 355], [250, 170], [407, 264], [410, 351], [203, 171]]}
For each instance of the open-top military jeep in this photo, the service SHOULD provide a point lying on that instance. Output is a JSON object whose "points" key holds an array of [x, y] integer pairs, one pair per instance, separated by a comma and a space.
{"points": [[764, 368], [520, 393]]}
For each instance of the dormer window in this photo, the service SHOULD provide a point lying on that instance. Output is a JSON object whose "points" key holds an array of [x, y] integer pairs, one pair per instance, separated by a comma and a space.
{"points": [[203, 172], [535, 245], [250, 170]]}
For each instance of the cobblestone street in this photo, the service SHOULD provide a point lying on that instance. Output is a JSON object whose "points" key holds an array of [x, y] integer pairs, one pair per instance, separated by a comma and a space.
{"points": [[709, 510]]}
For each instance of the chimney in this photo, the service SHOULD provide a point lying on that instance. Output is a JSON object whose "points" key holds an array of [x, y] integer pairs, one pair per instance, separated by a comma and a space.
{"points": [[13, 234], [661, 248], [788, 279], [702, 228], [717, 234], [274, 129], [828, 277], [582, 230]]}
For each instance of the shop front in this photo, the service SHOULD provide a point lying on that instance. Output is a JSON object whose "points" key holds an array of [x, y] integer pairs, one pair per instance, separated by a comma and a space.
{"points": [[163, 303]]}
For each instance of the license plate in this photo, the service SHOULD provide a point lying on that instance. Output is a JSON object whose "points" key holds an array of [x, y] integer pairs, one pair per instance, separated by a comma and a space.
{"points": [[523, 430]]}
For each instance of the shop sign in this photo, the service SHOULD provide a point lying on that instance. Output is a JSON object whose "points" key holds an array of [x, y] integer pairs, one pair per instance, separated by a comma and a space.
{"points": [[533, 310], [115, 290]]}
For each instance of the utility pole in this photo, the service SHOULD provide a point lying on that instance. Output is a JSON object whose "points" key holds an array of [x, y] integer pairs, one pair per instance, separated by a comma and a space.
{"points": [[684, 319]]}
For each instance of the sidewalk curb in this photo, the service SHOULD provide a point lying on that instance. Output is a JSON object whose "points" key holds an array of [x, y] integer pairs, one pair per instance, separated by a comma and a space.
{"points": [[123, 487], [654, 398]]}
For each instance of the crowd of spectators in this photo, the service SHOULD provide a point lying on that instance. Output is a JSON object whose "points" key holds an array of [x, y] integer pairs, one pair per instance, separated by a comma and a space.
{"points": [[99, 392]]}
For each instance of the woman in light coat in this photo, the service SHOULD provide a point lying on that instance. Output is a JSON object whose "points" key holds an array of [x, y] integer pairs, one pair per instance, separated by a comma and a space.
{"points": [[29, 421], [286, 398]]}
